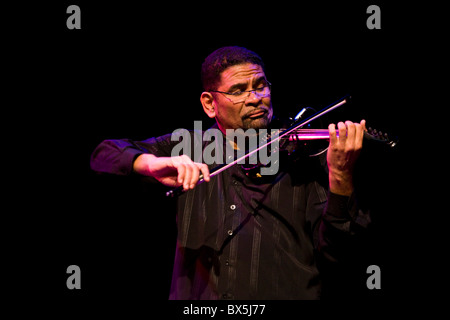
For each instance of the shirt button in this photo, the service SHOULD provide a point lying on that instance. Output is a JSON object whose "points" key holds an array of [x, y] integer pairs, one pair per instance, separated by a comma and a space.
{"points": [[230, 232], [227, 263], [232, 207]]}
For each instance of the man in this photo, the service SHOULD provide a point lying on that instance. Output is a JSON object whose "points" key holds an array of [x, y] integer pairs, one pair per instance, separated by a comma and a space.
{"points": [[241, 236]]}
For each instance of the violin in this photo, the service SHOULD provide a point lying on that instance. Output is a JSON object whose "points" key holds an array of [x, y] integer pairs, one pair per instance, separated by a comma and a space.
{"points": [[296, 133], [319, 134]]}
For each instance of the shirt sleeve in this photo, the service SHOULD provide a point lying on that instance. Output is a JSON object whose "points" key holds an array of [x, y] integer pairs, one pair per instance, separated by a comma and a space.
{"points": [[342, 222], [117, 156]]}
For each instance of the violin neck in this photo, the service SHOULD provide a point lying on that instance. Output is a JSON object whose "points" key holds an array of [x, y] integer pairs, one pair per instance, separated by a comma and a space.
{"points": [[310, 134]]}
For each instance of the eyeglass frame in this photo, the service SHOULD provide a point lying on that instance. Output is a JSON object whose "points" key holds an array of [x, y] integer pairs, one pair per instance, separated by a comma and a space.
{"points": [[269, 85]]}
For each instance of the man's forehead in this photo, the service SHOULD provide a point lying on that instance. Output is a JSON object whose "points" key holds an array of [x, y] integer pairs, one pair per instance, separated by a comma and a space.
{"points": [[241, 72]]}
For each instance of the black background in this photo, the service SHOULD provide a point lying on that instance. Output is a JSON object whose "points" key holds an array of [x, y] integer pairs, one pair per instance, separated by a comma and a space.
{"points": [[133, 71]]}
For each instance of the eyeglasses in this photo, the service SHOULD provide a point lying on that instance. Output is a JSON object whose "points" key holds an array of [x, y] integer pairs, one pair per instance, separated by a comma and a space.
{"points": [[240, 96]]}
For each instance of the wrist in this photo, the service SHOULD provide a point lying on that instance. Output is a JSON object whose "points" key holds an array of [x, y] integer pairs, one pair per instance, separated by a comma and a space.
{"points": [[141, 164], [341, 183]]}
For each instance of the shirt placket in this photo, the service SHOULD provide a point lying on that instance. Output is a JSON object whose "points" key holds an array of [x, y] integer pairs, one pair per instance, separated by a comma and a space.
{"points": [[229, 257]]}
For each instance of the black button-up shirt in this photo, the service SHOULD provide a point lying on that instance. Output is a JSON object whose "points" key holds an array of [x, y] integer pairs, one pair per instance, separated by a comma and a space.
{"points": [[241, 237]]}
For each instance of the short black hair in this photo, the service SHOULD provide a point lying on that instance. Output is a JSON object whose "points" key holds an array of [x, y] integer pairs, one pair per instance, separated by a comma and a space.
{"points": [[223, 58]]}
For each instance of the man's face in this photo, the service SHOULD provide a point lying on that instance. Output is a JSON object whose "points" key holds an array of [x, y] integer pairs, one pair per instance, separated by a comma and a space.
{"points": [[255, 112]]}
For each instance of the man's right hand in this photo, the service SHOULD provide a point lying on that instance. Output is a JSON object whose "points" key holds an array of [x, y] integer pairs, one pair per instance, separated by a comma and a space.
{"points": [[171, 171]]}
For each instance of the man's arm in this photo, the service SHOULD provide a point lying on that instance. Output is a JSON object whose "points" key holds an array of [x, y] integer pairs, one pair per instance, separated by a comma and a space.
{"points": [[116, 156], [171, 171], [342, 217], [148, 158]]}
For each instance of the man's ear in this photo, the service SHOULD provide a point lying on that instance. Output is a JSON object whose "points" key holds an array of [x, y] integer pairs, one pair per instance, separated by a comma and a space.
{"points": [[208, 104]]}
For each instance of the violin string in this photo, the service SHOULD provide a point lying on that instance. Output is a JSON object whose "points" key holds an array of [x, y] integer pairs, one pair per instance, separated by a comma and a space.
{"points": [[318, 153]]}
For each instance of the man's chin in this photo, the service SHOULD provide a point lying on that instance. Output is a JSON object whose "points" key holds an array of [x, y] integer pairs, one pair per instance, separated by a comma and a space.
{"points": [[259, 123]]}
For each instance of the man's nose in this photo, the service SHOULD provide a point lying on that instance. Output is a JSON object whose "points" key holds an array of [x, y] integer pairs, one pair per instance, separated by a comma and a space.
{"points": [[252, 98]]}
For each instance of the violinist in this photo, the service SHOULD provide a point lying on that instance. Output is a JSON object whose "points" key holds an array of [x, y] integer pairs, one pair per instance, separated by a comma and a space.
{"points": [[241, 236]]}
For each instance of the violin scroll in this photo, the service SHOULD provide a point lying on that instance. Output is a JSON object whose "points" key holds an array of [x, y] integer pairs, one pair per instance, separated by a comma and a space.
{"points": [[374, 134]]}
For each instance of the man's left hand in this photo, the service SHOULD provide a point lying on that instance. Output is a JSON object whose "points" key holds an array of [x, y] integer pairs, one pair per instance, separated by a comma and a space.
{"points": [[343, 152]]}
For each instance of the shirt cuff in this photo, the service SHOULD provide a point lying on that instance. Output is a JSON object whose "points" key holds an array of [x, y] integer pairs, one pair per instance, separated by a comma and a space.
{"points": [[340, 206], [127, 161]]}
